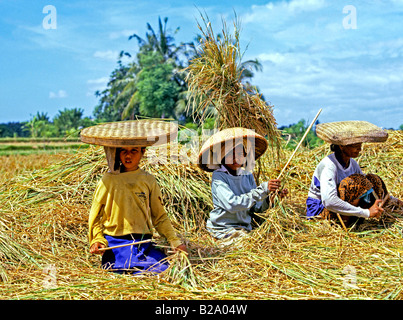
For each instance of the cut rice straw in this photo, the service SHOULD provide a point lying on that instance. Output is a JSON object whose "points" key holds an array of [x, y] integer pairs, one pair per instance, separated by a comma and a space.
{"points": [[125, 245]]}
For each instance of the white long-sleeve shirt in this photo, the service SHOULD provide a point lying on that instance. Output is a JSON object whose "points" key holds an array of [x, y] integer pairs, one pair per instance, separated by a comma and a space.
{"points": [[327, 176], [234, 199]]}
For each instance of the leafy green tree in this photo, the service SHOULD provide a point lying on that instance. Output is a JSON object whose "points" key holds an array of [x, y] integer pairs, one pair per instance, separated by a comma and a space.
{"points": [[161, 42], [401, 127], [294, 133], [13, 129], [159, 47], [151, 84], [40, 126], [70, 121], [156, 92], [109, 109]]}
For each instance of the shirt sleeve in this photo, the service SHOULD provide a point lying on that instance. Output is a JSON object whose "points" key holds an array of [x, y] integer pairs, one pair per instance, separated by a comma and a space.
{"points": [[263, 205], [331, 200], [95, 227], [160, 218], [226, 199]]}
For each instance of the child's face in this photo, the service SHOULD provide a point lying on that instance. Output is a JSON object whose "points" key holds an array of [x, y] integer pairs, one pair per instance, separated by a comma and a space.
{"points": [[131, 157], [235, 159]]}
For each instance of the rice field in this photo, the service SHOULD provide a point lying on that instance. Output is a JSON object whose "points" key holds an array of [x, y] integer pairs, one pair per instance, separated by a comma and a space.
{"points": [[44, 252], [27, 146]]}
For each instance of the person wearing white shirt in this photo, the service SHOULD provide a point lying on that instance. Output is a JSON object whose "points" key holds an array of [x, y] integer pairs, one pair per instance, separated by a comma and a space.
{"points": [[339, 186]]}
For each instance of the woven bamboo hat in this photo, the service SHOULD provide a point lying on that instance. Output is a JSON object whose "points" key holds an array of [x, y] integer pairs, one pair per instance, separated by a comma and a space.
{"points": [[220, 143], [135, 133], [350, 132]]}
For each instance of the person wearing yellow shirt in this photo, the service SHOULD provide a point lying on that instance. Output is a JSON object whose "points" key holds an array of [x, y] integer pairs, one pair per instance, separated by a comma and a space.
{"points": [[127, 206]]}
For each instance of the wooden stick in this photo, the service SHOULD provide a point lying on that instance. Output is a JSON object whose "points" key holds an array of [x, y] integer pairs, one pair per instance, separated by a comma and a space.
{"points": [[299, 144], [342, 222], [125, 245]]}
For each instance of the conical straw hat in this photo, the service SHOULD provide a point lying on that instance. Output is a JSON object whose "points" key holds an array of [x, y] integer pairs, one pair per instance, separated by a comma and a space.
{"points": [[135, 133], [217, 145], [350, 132]]}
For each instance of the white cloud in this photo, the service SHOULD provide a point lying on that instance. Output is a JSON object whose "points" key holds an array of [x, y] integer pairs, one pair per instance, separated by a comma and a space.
{"points": [[126, 33], [96, 85], [58, 94], [305, 5], [276, 57], [107, 55], [310, 61], [99, 81], [275, 13]]}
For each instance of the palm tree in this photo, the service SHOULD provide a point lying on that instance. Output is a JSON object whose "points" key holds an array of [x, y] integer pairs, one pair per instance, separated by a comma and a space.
{"points": [[38, 126], [109, 109], [68, 119], [160, 42]]}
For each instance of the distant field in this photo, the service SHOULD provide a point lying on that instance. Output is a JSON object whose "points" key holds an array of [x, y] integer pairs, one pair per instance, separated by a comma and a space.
{"points": [[27, 146]]}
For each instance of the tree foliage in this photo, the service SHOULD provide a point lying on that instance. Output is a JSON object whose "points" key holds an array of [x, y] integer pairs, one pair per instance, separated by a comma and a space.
{"points": [[110, 108], [13, 129], [67, 122], [156, 92], [294, 133], [151, 84]]}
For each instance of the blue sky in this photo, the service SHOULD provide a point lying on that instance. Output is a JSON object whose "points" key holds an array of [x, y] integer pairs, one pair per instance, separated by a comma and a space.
{"points": [[312, 57]]}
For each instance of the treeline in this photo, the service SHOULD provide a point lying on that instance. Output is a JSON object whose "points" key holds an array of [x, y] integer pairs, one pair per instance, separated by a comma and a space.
{"points": [[67, 122]]}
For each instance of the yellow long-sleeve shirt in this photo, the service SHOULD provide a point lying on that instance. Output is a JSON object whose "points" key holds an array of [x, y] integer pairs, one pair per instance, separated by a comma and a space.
{"points": [[125, 203]]}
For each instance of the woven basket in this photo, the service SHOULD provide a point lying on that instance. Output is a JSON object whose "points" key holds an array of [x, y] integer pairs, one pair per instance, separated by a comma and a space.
{"points": [[350, 132], [210, 154], [136, 133]]}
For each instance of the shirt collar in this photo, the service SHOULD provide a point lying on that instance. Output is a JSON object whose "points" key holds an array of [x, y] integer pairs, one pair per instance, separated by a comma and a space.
{"points": [[239, 172]]}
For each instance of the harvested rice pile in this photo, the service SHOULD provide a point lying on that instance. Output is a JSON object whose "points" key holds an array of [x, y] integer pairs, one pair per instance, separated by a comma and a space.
{"points": [[44, 247]]}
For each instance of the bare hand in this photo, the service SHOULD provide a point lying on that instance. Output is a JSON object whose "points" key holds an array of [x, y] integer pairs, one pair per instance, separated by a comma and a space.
{"points": [[283, 193], [274, 185], [182, 248], [95, 248], [375, 211]]}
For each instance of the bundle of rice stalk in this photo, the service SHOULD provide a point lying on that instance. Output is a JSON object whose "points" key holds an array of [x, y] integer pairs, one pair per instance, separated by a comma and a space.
{"points": [[215, 79], [186, 189], [180, 271]]}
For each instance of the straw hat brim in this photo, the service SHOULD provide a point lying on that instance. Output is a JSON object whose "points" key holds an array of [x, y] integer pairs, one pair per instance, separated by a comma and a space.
{"points": [[350, 132], [135, 133], [230, 135]]}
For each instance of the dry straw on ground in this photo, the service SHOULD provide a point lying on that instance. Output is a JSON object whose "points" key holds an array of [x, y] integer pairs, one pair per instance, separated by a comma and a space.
{"points": [[43, 226]]}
